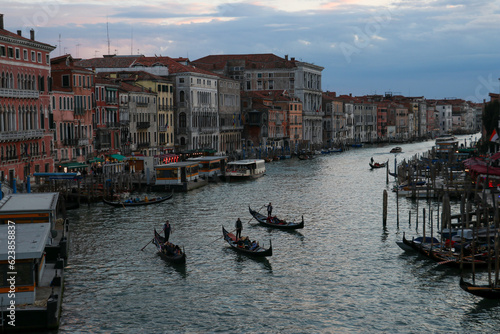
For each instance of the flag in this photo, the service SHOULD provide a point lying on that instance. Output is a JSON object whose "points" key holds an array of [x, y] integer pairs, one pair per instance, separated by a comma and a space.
{"points": [[494, 135]]}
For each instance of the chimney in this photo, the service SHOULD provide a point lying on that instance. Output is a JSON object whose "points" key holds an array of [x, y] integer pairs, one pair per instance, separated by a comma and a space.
{"points": [[292, 59], [1, 21], [20, 33], [32, 34], [286, 57]]}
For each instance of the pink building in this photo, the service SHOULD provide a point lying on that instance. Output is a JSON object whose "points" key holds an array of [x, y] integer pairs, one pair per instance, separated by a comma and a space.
{"points": [[72, 106], [25, 114]]}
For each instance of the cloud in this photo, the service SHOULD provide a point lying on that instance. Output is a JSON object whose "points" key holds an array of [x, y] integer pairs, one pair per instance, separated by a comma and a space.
{"points": [[363, 45]]}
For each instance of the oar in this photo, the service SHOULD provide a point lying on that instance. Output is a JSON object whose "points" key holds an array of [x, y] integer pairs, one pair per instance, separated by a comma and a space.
{"points": [[221, 236], [256, 211], [147, 244]]}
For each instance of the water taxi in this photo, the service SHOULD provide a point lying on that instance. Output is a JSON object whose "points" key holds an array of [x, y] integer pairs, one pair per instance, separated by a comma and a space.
{"points": [[178, 176], [211, 167], [245, 169]]}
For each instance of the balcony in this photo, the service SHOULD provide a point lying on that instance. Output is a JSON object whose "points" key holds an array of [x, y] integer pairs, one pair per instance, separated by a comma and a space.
{"points": [[143, 125], [143, 145], [142, 104], [83, 142], [111, 101], [79, 111], [70, 142], [19, 93], [112, 124], [21, 135]]}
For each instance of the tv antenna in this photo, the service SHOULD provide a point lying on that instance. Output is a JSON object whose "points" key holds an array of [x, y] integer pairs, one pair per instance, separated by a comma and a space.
{"points": [[107, 33]]}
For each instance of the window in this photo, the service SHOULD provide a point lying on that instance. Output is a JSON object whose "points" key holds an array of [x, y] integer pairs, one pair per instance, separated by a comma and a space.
{"points": [[18, 53], [181, 80], [47, 59], [39, 57], [3, 53], [33, 56], [65, 81], [10, 52], [25, 55]]}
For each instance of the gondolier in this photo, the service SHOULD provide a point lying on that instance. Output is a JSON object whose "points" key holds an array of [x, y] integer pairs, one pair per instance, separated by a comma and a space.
{"points": [[239, 227], [166, 230], [269, 210]]}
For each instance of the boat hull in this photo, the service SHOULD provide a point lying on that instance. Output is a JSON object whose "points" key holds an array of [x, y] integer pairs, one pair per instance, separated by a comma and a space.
{"points": [[262, 219]]}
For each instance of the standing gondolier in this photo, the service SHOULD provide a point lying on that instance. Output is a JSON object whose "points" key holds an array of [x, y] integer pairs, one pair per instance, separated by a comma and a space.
{"points": [[166, 230], [269, 210], [239, 227]]}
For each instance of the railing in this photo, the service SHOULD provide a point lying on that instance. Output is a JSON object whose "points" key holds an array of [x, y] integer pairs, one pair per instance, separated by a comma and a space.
{"points": [[143, 125], [83, 142], [21, 135], [19, 93], [143, 145], [112, 124], [142, 104], [70, 142], [111, 101]]}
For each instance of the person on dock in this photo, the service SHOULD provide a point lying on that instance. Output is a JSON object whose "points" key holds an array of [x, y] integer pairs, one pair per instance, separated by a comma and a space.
{"points": [[269, 210], [166, 230], [239, 227]]}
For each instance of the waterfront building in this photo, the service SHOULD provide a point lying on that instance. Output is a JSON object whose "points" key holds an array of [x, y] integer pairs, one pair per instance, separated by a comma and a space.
{"points": [[140, 107], [106, 120], [230, 121], [196, 102], [257, 72], [267, 122], [25, 115], [444, 115], [72, 103], [164, 89]]}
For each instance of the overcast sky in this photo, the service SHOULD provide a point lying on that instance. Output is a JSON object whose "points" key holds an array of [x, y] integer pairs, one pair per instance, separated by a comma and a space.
{"points": [[431, 48]]}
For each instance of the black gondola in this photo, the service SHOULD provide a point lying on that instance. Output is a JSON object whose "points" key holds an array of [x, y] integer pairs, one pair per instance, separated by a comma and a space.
{"points": [[377, 165], [121, 204], [275, 222], [484, 291], [242, 247], [171, 252]]}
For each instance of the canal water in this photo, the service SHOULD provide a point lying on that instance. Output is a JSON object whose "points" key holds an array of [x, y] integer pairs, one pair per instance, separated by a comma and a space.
{"points": [[342, 273]]}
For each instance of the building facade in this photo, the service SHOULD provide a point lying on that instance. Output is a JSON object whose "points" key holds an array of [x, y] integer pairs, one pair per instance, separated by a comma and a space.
{"points": [[26, 124]]}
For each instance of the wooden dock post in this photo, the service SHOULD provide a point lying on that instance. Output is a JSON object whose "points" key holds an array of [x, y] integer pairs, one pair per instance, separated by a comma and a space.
{"points": [[384, 220]]}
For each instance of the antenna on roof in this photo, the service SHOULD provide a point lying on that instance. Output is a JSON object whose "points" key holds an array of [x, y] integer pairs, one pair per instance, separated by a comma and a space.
{"points": [[59, 40], [107, 33]]}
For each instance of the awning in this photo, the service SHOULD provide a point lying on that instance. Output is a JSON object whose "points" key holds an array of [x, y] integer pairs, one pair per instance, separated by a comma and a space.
{"points": [[72, 165], [118, 157], [96, 160]]}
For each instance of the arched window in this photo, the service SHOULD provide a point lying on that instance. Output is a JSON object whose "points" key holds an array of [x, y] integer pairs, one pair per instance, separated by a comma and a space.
{"points": [[182, 120]]}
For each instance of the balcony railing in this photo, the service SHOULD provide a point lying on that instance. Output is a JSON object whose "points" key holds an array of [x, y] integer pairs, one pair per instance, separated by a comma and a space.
{"points": [[19, 93], [21, 135], [143, 125], [113, 124], [143, 145]]}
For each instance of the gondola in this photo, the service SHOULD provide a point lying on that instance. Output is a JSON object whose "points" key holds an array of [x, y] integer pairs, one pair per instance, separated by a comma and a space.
{"points": [[121, 204], [396, 149], [444, 257], [170, 253], [377, 164], [239, 246], [275, 222], [484, 291]]}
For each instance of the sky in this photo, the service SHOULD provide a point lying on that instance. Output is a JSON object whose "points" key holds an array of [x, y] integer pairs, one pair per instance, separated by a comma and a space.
{"points": [[432, 48]]}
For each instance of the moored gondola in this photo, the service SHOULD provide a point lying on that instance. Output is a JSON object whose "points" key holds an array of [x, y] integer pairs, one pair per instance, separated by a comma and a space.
{"points": [[244, 245], [484, 291], [276, 222], [129, 202], [169, 252]]}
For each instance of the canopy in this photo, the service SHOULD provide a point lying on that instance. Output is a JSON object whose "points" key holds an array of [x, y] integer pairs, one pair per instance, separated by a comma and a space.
{"points": [[118, 157], [72, 165], [96, 160]]}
